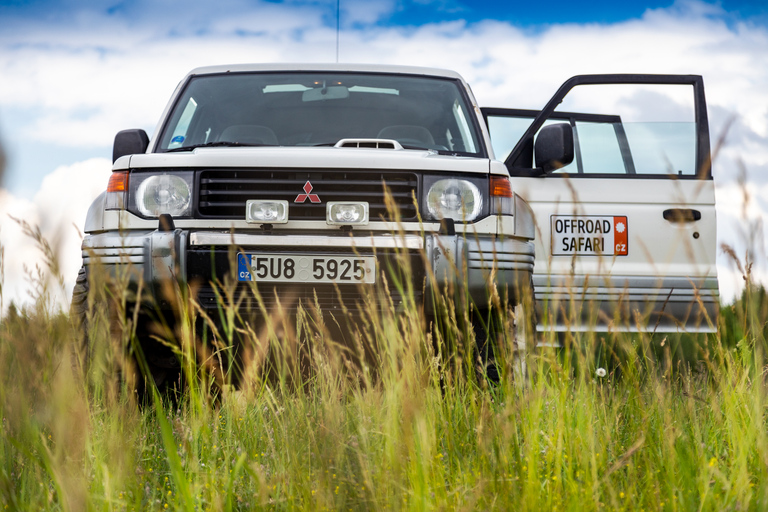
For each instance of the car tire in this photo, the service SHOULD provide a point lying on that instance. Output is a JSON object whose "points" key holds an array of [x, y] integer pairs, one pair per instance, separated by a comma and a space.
{"points": [[486, 365], [521, 342], [79, 307], [78, 311]]}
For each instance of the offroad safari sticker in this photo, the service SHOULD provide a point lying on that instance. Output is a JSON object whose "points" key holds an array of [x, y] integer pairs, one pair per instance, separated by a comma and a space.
{"points": [[589, 235]]}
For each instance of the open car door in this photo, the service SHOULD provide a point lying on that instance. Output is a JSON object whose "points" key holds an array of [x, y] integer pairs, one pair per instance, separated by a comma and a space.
{"points": [[617, 171]]}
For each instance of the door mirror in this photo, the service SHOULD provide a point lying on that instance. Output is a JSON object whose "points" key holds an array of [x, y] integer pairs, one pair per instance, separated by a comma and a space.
{"points": [[554, 147], [129, 142]]}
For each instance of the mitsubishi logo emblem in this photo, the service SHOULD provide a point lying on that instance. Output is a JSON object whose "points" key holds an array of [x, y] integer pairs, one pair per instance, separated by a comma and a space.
{"points": [[313, 198]]}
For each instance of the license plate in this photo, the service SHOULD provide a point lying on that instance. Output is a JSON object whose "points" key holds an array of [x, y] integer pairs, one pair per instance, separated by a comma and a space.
{"points": [[296, 268]]}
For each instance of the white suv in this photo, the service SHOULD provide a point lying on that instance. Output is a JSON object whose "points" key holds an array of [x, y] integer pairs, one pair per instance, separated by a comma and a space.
{"points": [[315, 176]]}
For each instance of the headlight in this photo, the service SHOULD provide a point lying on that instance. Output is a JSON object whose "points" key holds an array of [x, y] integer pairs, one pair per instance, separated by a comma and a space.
{"points": [[459, 200], [164, 193]]}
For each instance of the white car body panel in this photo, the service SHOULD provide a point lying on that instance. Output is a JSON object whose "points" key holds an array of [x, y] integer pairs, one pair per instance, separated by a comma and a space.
{"points": [[682, 254], [673, 249], [309, 157]]}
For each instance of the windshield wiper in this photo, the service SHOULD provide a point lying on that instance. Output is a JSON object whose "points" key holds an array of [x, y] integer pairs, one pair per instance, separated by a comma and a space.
{"points": [[419, 148], [220, 143], [447, 152]]}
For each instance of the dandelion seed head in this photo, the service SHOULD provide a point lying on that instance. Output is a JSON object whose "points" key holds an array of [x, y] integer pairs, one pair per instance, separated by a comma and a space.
{"points": [[600, 372]]}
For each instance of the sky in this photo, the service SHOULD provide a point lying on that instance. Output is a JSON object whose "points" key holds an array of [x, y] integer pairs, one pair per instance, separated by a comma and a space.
{"points": [[74, 72]]}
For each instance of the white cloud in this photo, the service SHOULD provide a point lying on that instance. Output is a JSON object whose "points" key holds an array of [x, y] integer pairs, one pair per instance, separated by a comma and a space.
{"points": [[83, 80], [17, 250], [59, 210]]}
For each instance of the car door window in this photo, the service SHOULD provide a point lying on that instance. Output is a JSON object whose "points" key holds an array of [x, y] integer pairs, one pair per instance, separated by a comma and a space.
{"points": [[664, 147], [598, 151], [646, 129]]}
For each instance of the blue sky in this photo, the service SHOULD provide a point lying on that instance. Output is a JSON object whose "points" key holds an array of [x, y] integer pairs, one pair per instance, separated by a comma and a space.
{"points": [[411, 12], [73, 73], [534, 14]]}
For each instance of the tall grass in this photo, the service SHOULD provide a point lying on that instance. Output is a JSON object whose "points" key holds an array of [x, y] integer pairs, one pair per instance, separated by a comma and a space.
{"points": [[390, 414]]}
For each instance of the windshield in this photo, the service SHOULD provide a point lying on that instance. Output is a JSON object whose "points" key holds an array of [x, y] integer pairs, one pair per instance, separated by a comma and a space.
{"points": [[312, 109]]}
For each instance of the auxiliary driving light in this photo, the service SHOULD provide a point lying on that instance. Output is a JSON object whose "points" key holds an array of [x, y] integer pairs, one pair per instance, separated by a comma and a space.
{"points": [[347, 213], [259, 211]]}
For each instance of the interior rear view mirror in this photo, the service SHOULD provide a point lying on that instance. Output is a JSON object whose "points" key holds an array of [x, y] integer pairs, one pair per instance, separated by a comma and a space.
{"points": [[333, 92]]}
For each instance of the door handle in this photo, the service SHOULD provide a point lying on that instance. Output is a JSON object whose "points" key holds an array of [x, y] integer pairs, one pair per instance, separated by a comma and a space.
{"points": [[682, 215]]}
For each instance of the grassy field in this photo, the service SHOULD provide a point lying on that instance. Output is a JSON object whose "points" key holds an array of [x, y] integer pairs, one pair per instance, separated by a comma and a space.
{"points": [[676, 423]]}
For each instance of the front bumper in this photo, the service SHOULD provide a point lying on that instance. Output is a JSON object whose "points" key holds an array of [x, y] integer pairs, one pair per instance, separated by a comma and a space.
{"points": [[477, 266]]}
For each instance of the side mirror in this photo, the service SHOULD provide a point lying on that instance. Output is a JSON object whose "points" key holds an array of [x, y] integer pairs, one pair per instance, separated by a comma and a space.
{"points": [[129, 142], [554, 147]]}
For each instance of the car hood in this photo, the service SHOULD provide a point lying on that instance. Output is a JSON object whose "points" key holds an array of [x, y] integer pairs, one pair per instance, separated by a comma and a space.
{"points": [[306, 157]]}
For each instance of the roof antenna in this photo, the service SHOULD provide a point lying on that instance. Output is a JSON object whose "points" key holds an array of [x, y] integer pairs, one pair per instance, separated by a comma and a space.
{"points": [[338, 25]]}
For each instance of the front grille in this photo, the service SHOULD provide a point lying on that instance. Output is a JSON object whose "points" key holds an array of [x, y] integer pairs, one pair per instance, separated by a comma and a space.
{"points": [[224, 192]]}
